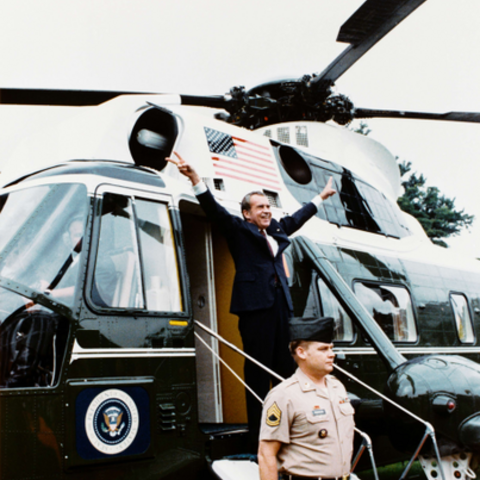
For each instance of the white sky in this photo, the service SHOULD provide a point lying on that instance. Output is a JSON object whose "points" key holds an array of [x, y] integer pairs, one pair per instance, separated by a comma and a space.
{"points": [[430, 62]]}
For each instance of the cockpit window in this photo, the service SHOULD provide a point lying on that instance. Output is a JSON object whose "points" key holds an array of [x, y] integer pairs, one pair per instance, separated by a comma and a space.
{"points": [[391, 307], [42, 230], [40, 244], [136, 265]]}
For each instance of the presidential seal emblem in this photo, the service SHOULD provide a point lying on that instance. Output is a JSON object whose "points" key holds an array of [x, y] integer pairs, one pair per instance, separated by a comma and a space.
{"points": [[112, 421]]}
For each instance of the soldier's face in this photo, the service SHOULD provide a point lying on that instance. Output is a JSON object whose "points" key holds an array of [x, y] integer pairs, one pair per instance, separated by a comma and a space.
{"points": [[319, 357], [259, 213]]}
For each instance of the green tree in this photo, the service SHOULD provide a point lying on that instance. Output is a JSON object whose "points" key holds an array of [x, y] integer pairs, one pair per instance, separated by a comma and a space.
{"points": [[434, 211], [361, 128]]}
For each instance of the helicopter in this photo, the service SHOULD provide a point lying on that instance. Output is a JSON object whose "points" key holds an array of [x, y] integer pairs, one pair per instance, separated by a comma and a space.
{"points": [[106, 260]]}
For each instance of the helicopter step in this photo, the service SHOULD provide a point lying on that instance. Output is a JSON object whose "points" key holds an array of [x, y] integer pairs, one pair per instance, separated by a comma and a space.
{"points": [[236, 469]]}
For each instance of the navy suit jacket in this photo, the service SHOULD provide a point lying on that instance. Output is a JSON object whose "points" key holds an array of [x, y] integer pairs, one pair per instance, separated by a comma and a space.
{"points": [[256, 269]]}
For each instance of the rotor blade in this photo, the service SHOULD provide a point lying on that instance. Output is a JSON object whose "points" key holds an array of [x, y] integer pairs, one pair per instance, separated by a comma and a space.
{"points": [[472, 117], [369, 24], [26, 96], [213, 101]]}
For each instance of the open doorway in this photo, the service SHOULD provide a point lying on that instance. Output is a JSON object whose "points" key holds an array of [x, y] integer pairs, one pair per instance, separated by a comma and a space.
{"points": [[221, 397]]}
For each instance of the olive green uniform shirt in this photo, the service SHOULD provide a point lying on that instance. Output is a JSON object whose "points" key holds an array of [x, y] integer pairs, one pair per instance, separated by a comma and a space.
{"points": [[314, 425]]}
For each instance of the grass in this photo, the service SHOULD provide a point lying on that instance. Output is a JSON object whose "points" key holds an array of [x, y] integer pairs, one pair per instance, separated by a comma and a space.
{"points": [[394, 472]]}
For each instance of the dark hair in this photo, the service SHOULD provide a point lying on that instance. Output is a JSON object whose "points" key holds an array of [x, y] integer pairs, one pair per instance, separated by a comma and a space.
{"points": [[245, 205]]}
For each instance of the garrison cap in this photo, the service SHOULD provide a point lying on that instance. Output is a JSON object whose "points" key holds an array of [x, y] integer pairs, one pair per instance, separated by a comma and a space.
{"points": [[316, 329]]}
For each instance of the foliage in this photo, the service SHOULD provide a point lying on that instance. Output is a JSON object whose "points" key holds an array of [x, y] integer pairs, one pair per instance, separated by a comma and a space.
{"points": [[362, 128], [434, 211], [394, 472]]}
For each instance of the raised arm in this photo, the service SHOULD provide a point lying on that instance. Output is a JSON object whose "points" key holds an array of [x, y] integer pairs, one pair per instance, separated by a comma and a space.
{"points": [[291, 223]]}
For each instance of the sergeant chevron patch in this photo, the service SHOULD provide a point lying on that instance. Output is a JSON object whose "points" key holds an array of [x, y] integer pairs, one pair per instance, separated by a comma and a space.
{"points": [[274, 414]]}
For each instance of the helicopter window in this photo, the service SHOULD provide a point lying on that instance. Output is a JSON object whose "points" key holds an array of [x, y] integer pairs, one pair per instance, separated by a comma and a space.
{"points": [[14, 213], [117, 274], [42, 228], [136, 264], [301, 135], [312, 298], [304, 294], [463, 320], [283, 134], [391, 307], [219, 184], [358, 204], [331, 308], [273, 198], [162, 281]]}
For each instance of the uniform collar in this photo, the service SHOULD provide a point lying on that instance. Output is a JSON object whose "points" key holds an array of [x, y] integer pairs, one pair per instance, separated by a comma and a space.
{"points": [[307, 385]]}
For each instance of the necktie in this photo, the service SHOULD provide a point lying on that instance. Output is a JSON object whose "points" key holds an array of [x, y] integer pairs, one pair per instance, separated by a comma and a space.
{"points": [[268, 243]]}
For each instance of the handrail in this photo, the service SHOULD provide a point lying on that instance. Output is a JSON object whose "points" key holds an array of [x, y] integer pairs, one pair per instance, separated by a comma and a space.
{"points": [[227, 366], [366, 444], [236, 349]]}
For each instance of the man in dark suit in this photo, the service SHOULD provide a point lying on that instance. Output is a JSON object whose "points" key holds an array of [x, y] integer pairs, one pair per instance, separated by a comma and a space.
{"points": [[260, 296]]}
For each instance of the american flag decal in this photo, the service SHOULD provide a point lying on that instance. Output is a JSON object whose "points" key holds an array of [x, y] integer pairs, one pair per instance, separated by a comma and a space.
{"points": [[241, 159]]}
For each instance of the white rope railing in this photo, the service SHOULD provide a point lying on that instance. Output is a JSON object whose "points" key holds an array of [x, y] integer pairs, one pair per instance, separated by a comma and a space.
{"points": [[228, 367], [238, 350]]}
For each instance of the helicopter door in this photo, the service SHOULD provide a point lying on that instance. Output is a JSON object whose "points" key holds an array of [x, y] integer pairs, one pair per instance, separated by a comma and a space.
{"points": [[221, 397], [199, 255]]}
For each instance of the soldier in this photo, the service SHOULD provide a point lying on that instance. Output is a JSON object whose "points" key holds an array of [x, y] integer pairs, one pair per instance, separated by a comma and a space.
{"points": [[307, 423]]}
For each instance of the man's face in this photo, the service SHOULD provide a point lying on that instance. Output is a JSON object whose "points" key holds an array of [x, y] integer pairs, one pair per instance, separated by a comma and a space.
{"points": [[259, 213], [319, 357]]}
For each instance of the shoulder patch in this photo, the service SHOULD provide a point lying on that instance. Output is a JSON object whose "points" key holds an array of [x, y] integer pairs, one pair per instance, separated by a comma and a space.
{"points": [[274, 415]]}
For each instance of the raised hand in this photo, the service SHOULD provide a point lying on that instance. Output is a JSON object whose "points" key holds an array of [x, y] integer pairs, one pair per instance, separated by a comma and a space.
{"points": [[184, 168], [328, 191]]}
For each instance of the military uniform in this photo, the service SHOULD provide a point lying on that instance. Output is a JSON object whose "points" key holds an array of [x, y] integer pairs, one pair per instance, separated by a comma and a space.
{"points": [[314, 425]]}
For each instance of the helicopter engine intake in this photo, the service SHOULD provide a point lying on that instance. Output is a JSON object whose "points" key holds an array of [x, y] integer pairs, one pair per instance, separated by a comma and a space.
{"points": [[152, 137]]}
